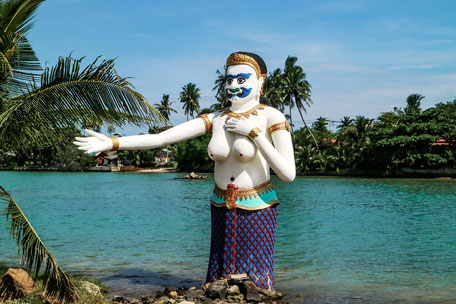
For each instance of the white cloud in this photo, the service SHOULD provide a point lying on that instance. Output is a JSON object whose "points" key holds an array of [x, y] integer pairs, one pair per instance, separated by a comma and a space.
{"points": [[416, 66]]}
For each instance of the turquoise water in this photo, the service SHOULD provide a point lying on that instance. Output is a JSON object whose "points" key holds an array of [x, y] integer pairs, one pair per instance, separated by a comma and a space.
{"points": [[338, 239]]}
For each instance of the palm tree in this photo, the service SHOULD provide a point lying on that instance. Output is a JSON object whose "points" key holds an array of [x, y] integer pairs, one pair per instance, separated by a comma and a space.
{"points": [[220, 92], [39, 106], [190, 96], [413, 104], [274, 89], [110, 129], [297, 90], [320, 124], [164, 107], [345, 122]]}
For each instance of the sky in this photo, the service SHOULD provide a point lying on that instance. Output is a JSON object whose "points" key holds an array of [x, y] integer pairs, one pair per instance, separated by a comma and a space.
{"points": [[360, 57]]}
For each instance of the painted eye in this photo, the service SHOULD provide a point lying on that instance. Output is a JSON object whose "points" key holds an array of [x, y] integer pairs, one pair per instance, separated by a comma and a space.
{"points": [[240, 80], [229, 81]]}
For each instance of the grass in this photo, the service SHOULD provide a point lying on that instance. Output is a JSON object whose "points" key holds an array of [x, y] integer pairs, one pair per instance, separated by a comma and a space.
{"points": [[85, 297]]}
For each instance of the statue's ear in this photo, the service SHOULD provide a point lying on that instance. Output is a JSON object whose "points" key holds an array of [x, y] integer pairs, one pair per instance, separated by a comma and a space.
{"points": [[260, 84]]}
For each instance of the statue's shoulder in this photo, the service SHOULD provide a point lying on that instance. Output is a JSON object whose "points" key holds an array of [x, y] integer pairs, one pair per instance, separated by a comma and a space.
{"points": [[274, 115]]}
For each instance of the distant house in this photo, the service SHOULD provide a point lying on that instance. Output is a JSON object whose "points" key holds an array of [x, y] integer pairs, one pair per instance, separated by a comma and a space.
{"points": [[110, 159], [162, 157]]}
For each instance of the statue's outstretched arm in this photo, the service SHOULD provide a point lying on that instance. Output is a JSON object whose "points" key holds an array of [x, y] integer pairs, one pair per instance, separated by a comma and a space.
{"points": [[98, 142], [279, 154]]}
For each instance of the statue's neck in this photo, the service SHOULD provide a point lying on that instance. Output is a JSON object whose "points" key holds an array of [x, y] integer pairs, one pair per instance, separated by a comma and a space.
{"points": [[243, 107]]}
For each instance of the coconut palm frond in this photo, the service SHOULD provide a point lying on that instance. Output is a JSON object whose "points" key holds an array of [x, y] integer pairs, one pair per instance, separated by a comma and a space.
{"points": [[6, 70], [69, 97], [57, 284], [18, 16]]}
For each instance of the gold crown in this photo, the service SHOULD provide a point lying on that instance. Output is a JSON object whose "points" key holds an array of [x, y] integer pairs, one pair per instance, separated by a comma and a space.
{"points": [[237, 58]]}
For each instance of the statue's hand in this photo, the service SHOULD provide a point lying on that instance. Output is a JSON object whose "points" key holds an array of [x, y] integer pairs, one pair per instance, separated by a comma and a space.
{"points": [[241, 126], [97, 142]]}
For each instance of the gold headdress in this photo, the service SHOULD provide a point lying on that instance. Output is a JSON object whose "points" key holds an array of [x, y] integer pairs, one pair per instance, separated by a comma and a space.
{"points": [[237, 58]]}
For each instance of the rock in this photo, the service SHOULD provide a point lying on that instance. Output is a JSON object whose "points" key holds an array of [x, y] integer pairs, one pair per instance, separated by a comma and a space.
{"points": [[168, 289], [193, 175], [173, 294], [238, 278], [172, 301], [250, 292], [236, 298], [234, 290], [91, 288], [16, 283], [195, 294], [277, 295], [217, 289], [186, 302], [192, 288], [119, 299], [163, 300], [135, 301]]}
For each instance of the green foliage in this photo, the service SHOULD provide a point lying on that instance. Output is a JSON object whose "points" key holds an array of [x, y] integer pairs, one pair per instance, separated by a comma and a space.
{"points": [[139, 158], [164, 107], [398, 139], [69, 158], [192, 155], [190, 96]]}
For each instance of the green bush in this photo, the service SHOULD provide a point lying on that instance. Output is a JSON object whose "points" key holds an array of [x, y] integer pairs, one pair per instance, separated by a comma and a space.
{"points": [[192, 155]]}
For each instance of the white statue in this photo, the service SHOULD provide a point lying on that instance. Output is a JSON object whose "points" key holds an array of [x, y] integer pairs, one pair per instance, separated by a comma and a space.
{"points": [[247, 139]]}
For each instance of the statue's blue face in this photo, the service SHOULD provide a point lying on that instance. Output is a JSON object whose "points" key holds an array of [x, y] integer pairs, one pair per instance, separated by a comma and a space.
{"points": [[242, 84]]}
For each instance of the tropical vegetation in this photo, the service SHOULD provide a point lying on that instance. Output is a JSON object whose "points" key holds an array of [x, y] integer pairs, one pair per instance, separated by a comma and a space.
{"points": [[40, 112]]}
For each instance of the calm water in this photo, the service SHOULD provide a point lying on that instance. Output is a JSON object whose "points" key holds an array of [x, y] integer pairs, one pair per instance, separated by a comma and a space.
{"points": [[341, 240]]}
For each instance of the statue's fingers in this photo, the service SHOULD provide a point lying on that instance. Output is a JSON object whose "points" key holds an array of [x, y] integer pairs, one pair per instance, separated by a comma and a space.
{"points": [[230, 129], [81, 144], [83, 148], [83, 139], [96, 134]]}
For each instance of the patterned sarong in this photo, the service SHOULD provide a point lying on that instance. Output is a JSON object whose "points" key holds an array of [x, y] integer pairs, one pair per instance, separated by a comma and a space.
{"points": [[242, 241]]}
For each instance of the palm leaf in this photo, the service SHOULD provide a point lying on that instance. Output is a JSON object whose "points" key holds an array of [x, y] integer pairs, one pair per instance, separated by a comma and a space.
{"points": [[57, 283], [18, 15], [69, 97], [22, 59]]}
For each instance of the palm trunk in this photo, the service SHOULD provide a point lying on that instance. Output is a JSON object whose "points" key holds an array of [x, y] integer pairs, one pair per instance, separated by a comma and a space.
{"points": [[308, 129], [291, 120]]}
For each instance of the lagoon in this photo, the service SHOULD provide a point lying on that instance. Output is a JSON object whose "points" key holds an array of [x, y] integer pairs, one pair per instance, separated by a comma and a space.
{"points": [[342, 240]]}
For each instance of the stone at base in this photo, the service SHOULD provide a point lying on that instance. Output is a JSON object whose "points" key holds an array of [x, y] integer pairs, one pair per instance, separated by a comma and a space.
{"points": [[217, 289], [16, 283], [250, 291]]}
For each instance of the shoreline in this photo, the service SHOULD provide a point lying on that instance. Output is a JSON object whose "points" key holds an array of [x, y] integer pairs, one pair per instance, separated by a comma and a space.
{"points": [[444, 174]]}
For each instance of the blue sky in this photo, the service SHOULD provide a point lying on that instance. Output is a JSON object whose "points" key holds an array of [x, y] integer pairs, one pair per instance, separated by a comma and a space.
{"points": [[361, 57]]}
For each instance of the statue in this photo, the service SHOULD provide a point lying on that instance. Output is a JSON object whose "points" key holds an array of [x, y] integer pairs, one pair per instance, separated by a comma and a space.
{"points": [[247, 139]]}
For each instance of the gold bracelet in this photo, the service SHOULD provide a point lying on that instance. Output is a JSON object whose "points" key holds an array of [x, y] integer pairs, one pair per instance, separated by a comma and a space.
{"points": [[207, 122], [115, 143], [254, 133]]}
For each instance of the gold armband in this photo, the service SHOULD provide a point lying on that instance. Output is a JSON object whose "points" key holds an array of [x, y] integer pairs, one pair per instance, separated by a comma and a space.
{"points": [[279, 126], [207, 122], [254, 133], [115, 143]]}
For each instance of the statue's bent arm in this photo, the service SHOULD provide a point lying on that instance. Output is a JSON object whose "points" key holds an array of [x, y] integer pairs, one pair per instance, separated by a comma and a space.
{"points": [[279, 154]]}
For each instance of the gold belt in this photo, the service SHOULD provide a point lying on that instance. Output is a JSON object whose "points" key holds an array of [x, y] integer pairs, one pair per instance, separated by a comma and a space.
{"points": [[231, 194]]}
